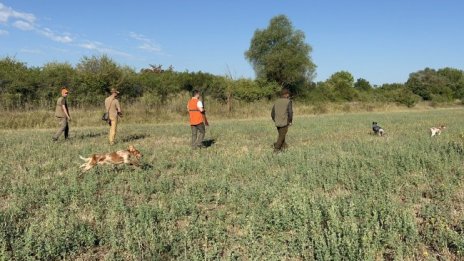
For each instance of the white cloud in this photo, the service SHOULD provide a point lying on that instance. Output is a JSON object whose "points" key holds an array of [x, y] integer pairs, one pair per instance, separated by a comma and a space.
{"points": [[90, 46], [99, 47], [7, 12], [22, 25], [65, 38], [146, 43], [150, 47], [26, 22]]}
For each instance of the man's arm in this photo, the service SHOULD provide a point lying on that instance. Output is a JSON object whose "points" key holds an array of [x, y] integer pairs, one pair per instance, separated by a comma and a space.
{"points": [[118, 108], [200, 106], [65, 111], [290, 112], [273, 113]]}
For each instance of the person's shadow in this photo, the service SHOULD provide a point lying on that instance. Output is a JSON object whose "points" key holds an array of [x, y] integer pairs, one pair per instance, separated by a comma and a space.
{"points": [[134, 137], [89, 135], [208, 143]]}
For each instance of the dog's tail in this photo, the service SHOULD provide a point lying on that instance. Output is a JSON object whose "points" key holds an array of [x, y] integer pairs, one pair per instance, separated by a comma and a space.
{"points": [[86, 159], [381, 132]]}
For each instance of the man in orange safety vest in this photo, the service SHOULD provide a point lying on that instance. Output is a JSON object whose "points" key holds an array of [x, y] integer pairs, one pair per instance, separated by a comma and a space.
{"points": [[197, 119]]}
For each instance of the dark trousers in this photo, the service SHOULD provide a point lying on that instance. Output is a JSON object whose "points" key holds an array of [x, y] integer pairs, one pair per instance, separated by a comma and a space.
{"points": [[198, 134], [64, 127], [280, 144]]}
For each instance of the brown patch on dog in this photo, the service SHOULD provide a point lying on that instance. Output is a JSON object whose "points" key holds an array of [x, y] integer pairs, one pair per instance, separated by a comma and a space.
{"points": [[436, 130], [130, 156]]}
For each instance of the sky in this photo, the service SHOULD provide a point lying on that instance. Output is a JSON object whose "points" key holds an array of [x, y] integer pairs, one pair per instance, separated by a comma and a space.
{"points": [[380, 41]]}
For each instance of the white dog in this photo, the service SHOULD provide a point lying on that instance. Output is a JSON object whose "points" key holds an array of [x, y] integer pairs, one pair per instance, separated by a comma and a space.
{"points": [[130, 156], [436, 130]]}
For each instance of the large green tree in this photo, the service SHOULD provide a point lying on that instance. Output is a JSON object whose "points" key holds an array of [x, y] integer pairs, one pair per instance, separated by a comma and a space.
{"points": [[341, 84], [279, 54], [362, 85], [95, 76], [18, 83], [454, 81], [53, 76], [431, 85]]}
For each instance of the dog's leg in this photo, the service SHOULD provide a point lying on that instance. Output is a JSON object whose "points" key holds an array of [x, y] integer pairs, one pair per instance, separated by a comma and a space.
{"points": [[84, 159], [135, 164], [126, 159], [87, 167]]}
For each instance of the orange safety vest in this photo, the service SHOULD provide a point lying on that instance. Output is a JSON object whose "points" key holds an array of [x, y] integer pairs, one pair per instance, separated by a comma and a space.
{"points": [[196, 117]]}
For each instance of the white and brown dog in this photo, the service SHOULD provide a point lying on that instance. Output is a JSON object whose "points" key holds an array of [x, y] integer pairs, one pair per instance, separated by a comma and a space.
{"points": [[377, 129], [436, 130], [130, 156]]}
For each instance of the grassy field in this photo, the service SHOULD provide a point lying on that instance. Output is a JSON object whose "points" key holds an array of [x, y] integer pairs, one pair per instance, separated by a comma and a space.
{"points": [[337, 193]]}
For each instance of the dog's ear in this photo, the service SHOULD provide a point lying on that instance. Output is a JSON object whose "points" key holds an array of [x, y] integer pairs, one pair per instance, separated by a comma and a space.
{"points": [[131, 148]]}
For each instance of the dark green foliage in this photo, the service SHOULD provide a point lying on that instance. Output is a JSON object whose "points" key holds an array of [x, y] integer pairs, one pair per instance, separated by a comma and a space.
{"points": [[54, 76], [249, 90], [279, 54], [341, 85], [442, 85], [398, 93], [23, 87], [454, 81], [362, 85], [95, 76], [18, 83]]}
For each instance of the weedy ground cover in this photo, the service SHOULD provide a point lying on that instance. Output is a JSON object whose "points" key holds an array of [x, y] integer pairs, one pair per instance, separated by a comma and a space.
{"points": [[338, 192]]}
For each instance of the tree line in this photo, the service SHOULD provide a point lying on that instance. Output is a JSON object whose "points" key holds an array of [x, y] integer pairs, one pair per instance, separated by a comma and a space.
{"points": [[280, 58]]}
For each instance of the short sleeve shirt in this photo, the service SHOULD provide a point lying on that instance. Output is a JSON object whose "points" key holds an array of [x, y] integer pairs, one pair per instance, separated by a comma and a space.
{"points": [[112, 106], [59, 107], [199, 104]]}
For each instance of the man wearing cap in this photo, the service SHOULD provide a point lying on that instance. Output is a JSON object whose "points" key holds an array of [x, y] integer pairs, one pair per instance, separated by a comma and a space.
{"points": [[114, 111], [62, 114], [282, 115], [197, 119]]}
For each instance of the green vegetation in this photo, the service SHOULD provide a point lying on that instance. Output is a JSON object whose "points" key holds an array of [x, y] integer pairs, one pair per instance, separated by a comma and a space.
{"points": [[279, 54], [25, 88], [339, 192]]}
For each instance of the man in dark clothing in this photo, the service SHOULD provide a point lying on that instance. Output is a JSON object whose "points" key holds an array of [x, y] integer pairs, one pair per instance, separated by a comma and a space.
{"points": [[62, 114], [282, 115]]}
